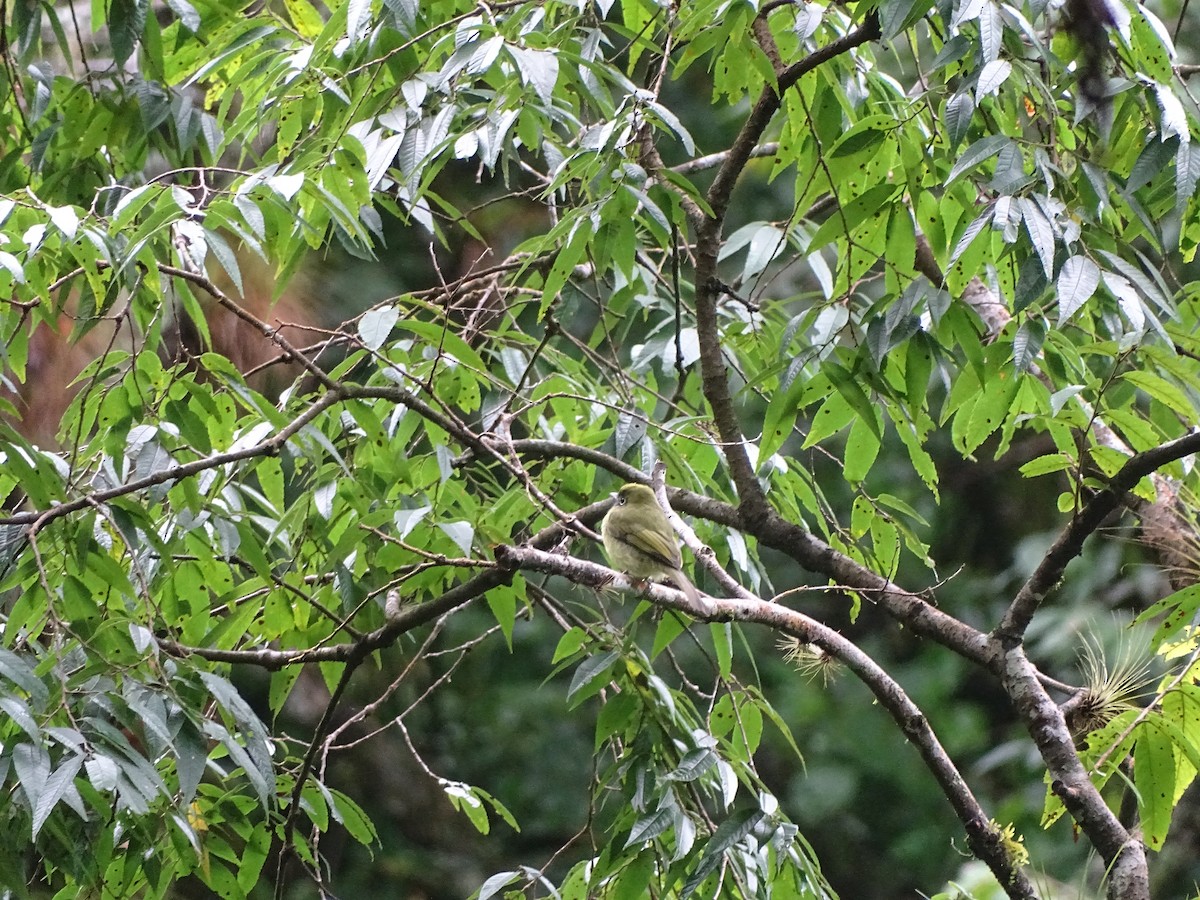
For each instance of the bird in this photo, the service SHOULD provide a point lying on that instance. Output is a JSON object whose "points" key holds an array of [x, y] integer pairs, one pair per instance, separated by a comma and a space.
{"points": [[639, 541]]}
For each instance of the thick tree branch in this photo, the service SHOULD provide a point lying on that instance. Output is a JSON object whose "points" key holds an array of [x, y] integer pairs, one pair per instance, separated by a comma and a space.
{"points": [[983, 837], [708, 245], [1123, 853], [913, 611]]}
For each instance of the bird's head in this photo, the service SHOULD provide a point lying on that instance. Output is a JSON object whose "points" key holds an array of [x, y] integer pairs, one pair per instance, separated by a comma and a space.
{"points": [[636, 495]]}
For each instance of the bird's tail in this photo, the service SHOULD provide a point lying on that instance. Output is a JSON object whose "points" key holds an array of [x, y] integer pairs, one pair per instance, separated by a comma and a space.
{"points": [[682, 582]]}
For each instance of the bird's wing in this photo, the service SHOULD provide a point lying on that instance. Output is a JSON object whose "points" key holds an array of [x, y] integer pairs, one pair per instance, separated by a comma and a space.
{"points": [[658, 546]]}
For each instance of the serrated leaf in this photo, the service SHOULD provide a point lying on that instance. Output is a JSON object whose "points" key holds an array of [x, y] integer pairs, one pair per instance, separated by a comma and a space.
{"points": [[57, 786], [863, 208], [990, 410], [1174, 119], [649, 827], [1187, 174], [631, 428], [849, 389], [19, 713], [895, 16], [539, 70], [959, 110], [1027, 343], [1177, 611], [502, 601], [993, 76], [1044, 465], [65, 219], [126, 21], [352, 817], [21, 672], [592, 674], [727, 835], [966, 11], [1077, 281], [991, 32], [972, 232], [1151, 162], [1162, 391], [188, 17], [1127, 299], [1041, 233], [492, 886], [980, 151], [862, 447], [569, 644], [694, 764], [32, 763], [780, 417], [253, 752], [765, 244]]}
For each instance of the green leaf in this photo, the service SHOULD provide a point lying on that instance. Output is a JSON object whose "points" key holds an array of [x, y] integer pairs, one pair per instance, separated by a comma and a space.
{"points": [[591, 676], [1044, 465], [724, 839], [1163, 391], [502, 601], [862, 448], [619, 713], [1154, 775], [844, 222], [1178, 610], [670, 626], [722, 636], [634, 879], [848, 387], [980, 151], [694, 764], [991, 409], [834, 414], [896, 16], [570, 643], [651, 826], [126, 22], [1077, 281], [351, 816]]}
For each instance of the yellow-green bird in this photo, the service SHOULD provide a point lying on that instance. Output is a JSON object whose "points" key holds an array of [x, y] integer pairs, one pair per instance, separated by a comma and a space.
{"points": [[639, 541]]}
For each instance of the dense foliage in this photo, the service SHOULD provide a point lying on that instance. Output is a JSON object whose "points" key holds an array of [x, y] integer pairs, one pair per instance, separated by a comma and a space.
{"points": [[809, 257]]}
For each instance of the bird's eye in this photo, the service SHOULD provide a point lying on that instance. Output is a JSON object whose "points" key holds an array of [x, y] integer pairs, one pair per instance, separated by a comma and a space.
{"points": [[622, 500]]}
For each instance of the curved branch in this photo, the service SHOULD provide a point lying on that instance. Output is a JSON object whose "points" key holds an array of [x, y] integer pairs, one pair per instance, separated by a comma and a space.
{"points": [[721, 190], [983, 837], [1083, 523], [806, 549], [708, 246]]}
